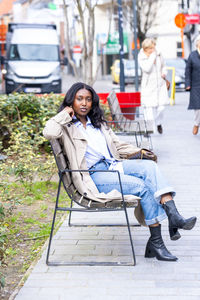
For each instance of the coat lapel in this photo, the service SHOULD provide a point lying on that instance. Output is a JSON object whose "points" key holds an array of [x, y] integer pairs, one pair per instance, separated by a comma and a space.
{"points": [[79, 141]]}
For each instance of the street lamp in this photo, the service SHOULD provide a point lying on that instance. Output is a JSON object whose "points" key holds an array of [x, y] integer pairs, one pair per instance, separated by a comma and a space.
{"points": [[135, 42], [121, 51]]}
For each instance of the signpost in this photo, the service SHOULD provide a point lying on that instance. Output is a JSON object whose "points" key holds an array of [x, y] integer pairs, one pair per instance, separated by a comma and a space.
{"points": [[77, 54], [180, 22], [3, 31], [135, 43], [121, 51]]}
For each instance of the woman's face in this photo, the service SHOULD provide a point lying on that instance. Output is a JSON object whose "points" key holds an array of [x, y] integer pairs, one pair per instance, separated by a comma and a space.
{"points": [[82, 103], [150, 49]]}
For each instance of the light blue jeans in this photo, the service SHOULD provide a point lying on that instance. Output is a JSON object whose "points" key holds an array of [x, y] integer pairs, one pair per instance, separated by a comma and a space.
{"points": [[141, 178]]}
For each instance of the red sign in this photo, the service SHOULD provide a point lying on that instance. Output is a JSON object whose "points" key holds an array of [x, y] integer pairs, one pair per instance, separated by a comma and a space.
{"points": [[180, 20], [77, 49], [192, 19]]}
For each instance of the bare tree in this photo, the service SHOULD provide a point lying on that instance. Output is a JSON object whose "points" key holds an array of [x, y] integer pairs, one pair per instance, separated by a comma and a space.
{"points": [[86, 12], [147, 11]]}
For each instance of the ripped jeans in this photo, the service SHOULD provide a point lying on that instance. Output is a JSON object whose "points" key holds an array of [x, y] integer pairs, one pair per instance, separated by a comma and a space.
{"points": [[141, 178]]}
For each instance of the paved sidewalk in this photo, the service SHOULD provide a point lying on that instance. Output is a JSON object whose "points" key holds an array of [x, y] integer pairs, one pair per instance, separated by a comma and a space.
{"points": [[150, 279]]}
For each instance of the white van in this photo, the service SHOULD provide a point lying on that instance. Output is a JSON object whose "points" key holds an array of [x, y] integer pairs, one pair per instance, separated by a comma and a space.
{"points": [[32, 63]]}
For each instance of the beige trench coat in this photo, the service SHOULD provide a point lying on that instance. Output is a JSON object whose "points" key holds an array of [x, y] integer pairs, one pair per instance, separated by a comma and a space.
{"points": [[153, 87], [60, 126]]}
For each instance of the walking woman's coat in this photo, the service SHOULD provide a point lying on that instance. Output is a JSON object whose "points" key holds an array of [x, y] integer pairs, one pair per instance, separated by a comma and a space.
{"points": [[153, 87], [74, 146], [192, 79]]}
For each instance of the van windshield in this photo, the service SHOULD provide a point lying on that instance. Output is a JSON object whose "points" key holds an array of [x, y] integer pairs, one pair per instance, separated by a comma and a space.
{"points": [[34, 52]]}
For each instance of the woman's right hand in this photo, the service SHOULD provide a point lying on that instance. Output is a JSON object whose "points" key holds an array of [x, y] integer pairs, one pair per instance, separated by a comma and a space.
{"points": [[70, 111], [187, 88]]}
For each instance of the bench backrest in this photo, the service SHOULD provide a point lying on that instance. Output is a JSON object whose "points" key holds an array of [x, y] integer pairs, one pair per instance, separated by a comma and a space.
{"points": [[63, 164], [120, 122], [114, 105], [137, 124]]}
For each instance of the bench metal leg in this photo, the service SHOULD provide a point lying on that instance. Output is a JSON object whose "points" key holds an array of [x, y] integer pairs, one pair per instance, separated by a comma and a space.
{"points": [[91, 263], [70, 214], [53, 222]]}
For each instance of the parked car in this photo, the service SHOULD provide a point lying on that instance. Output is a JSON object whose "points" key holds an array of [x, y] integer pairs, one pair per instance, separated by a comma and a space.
{"points": [[179, 64], [129, 71]]}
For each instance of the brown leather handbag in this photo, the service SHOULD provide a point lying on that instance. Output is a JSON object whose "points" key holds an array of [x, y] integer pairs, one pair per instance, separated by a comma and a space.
{"points": [[167, 84], [143, 154]]}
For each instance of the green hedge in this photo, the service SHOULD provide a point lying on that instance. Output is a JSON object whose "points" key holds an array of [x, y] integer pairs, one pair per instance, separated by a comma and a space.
{"points": [[22, 119], [26, 113]]}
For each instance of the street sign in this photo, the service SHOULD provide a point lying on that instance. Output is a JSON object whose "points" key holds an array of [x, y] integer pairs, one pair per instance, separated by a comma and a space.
{"points": [[77, 49], [180, 20], [112, 46], [192, 19]]}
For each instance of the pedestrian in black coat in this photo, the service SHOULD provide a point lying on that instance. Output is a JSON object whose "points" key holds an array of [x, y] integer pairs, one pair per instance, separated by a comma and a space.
{"points": [[192, 83]]}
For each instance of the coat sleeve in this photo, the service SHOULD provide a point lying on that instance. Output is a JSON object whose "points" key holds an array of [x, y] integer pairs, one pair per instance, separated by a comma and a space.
{"points": [[54, 127], [123, 149], [146, 63], [188, 72]]}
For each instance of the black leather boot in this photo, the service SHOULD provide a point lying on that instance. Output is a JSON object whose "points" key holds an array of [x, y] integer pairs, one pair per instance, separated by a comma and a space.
{"points": [[176, 220], [160, 129], [156, 247], [174, 233]]}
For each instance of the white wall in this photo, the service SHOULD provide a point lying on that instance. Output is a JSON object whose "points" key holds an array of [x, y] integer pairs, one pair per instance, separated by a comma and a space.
{"points": [[166, 32]]}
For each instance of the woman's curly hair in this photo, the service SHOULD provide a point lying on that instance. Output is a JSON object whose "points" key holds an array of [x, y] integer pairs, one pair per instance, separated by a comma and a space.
{"points": [[96, 114]]}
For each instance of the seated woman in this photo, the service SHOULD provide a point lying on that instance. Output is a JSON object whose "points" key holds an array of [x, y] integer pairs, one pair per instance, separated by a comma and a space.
{"points": [[90, 144]]}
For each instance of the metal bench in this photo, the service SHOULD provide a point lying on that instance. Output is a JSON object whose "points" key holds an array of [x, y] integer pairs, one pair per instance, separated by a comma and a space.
{"points": [[85, 204], [122, 125]]}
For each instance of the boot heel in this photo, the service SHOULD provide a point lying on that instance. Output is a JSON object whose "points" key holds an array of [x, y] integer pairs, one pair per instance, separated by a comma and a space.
{"points": [[149, 253], [174, 234]]}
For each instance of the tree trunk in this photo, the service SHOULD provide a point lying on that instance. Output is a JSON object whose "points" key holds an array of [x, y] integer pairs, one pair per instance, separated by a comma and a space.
{"points": [[67, 43]]}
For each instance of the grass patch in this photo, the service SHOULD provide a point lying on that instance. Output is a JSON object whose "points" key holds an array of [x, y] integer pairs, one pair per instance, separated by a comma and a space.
{"points": [[25, 221]]}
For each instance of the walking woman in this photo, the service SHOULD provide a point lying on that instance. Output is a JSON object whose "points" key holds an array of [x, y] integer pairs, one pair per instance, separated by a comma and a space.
{"points": [[192, 84], [154, 94], [90, 144]]}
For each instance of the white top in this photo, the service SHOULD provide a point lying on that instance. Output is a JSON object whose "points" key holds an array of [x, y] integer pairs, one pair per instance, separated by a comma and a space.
{"points": [[97, 148]]}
